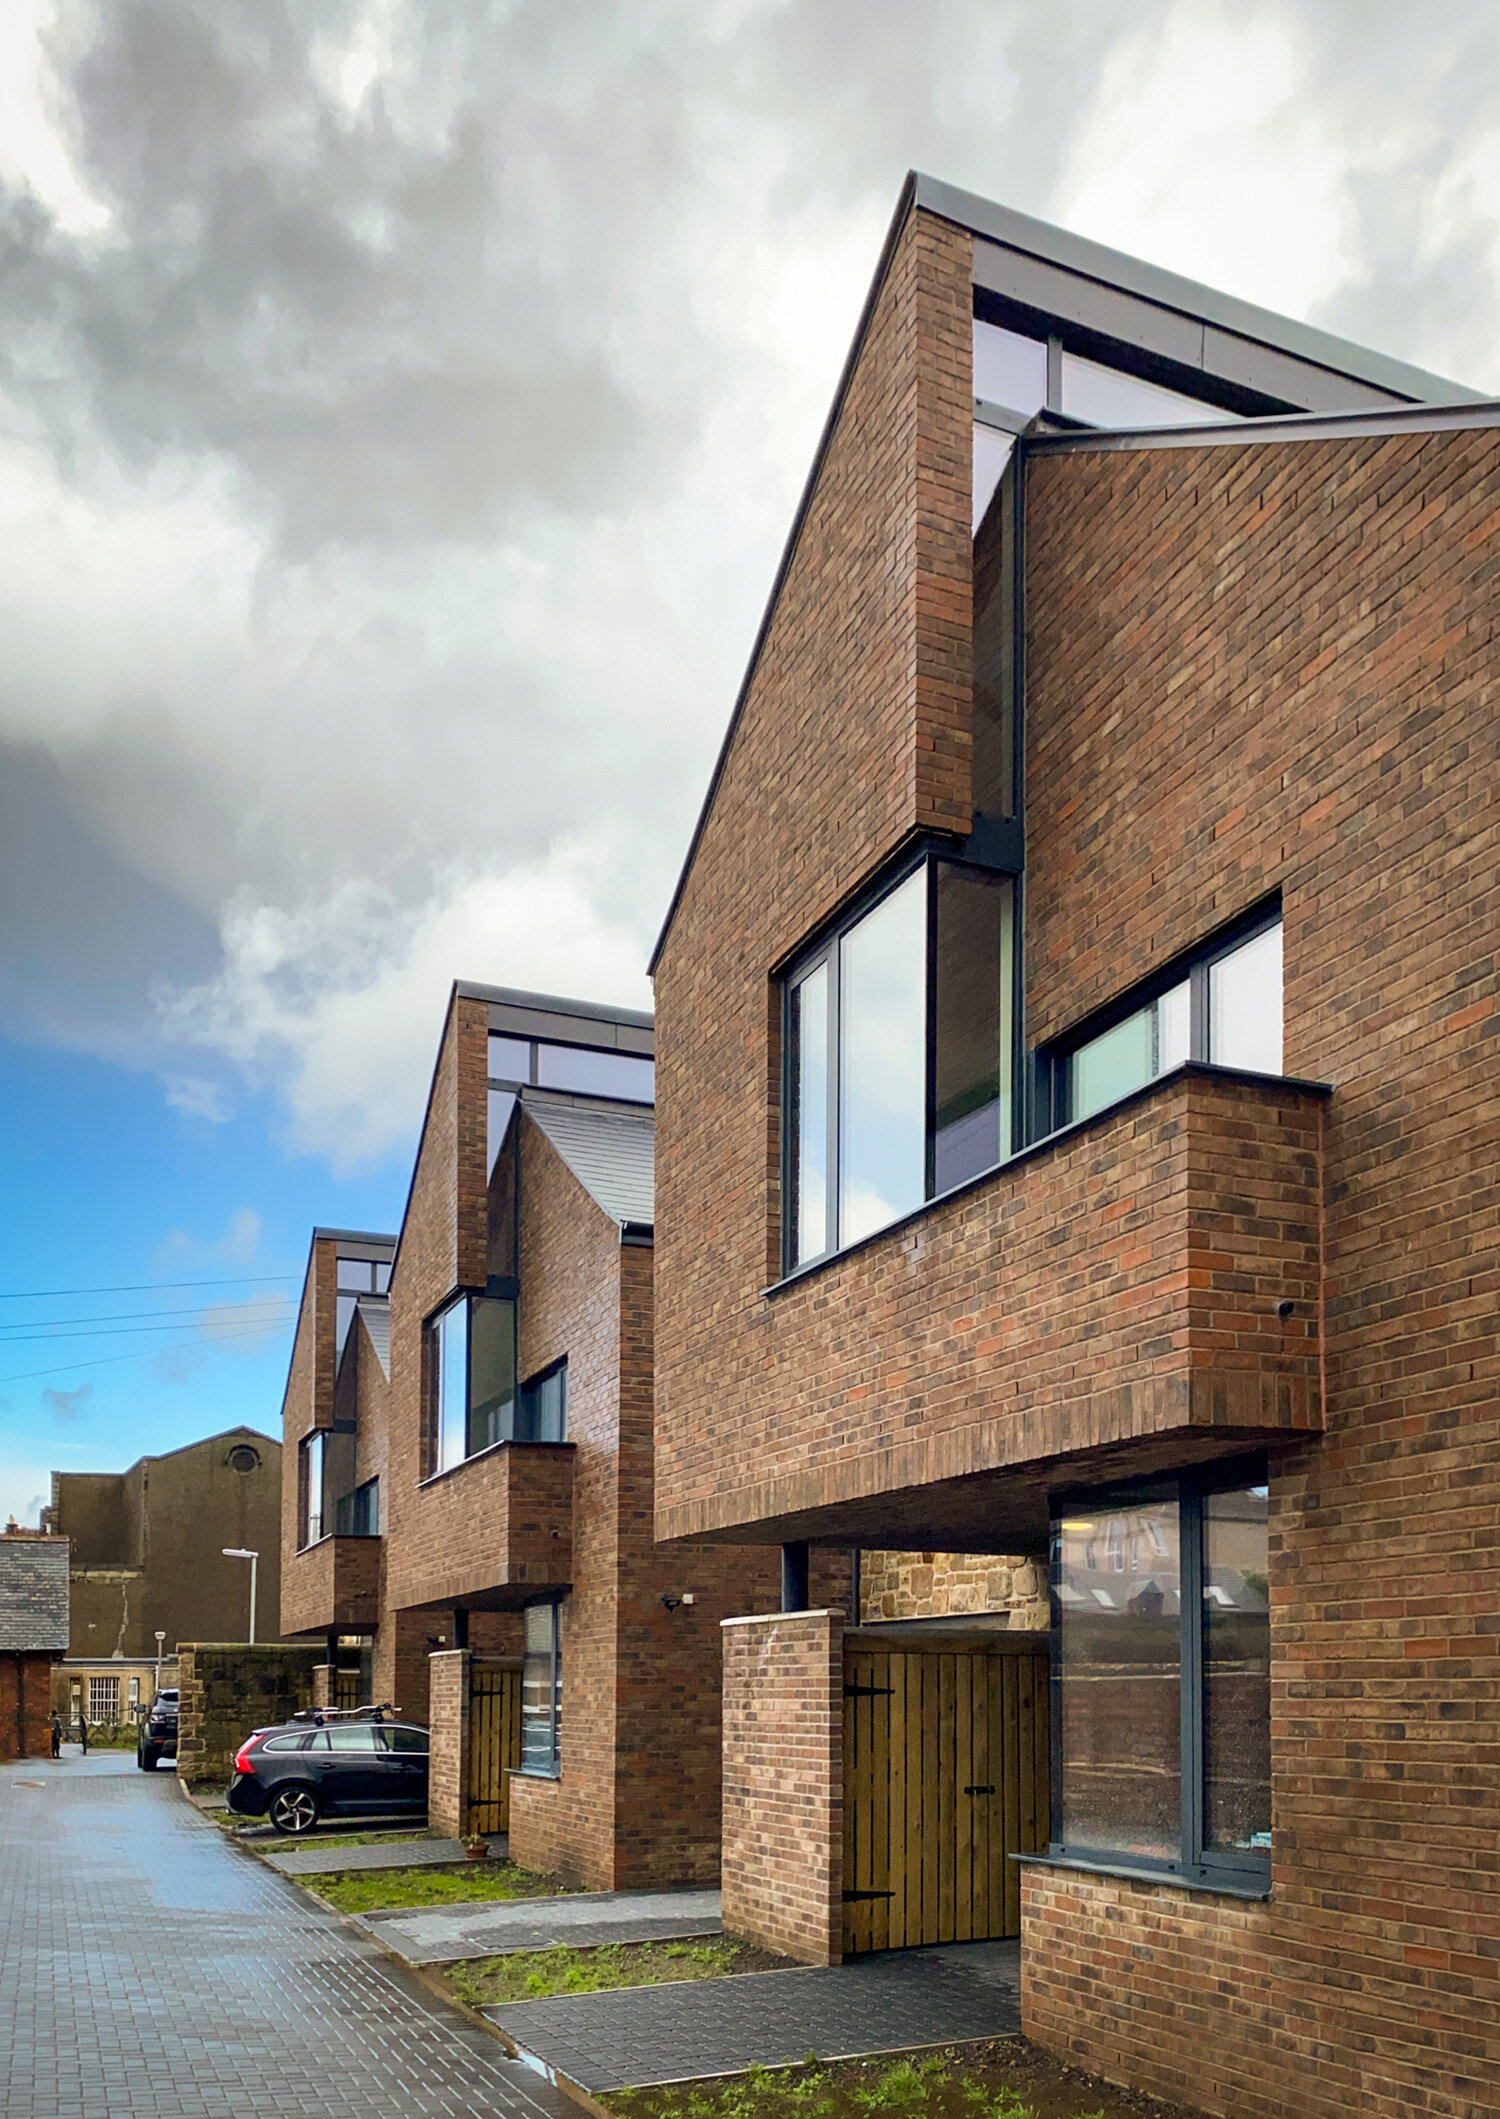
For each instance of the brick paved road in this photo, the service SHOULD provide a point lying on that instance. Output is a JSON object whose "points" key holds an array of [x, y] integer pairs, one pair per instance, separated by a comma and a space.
{"points": [[149, 1970]]}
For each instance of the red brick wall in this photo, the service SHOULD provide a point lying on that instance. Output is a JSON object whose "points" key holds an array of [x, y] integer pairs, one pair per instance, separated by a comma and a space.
{"points": [[307, 1402], [784, 1783], [25, 1706], [448, 1761], [1309, 703]]}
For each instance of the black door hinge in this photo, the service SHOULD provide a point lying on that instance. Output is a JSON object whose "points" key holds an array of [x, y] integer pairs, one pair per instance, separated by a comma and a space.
{"points": [[981, 1788], [850, 1896], [869, 1692]]}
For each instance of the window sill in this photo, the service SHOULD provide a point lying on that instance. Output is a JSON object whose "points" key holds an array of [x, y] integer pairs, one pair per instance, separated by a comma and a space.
{"points": [[534, 1773], [1244, 1886], [1042, 1146], [451, 1471], [329, 1536]]}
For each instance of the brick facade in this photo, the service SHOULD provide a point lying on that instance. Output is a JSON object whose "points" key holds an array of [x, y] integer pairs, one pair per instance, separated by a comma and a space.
{"points": [[25, 1704], [783, 1783], [1254, 669]]}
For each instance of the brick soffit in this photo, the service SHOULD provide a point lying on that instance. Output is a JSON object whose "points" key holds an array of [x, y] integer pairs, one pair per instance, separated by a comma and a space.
{"points": [[998, 224]]}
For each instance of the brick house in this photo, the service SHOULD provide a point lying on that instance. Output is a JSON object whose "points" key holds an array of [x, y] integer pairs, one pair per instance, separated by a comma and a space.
{"points": [[33, 1637], [1078, 1144], [468, 1496]]}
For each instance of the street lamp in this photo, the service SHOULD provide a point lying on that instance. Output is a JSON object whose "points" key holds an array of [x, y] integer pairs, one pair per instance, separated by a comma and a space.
{"points": [[161, 1635], [241, 1552]]}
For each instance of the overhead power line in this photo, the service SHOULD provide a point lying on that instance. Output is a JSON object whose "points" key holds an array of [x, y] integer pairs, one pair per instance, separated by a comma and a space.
{"points": [[125, 1317], [149, 1287], [187, 1346], [122, 1331]]}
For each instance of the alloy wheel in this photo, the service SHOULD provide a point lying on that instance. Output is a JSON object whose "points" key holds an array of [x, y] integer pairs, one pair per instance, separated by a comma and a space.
{"points": [[293, 1811]]}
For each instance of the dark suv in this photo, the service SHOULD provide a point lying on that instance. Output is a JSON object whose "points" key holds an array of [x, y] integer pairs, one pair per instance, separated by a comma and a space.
{"points": [[324, 1763], [157, 1736]]}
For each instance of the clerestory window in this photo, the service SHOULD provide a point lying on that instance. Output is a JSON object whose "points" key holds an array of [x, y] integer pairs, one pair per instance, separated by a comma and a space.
{"points": [[898, 1036]]}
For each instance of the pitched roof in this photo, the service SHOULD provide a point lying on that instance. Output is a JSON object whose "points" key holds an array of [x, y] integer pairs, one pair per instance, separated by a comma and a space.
{"points": [[33, 1594], [376, 1312], [608, 1147]]}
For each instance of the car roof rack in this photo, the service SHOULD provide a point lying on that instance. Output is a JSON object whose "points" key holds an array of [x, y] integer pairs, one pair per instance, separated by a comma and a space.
{"points": [[319, 1716]]}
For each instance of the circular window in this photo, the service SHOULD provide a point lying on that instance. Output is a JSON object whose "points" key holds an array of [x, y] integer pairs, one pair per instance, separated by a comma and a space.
{"points": [[242, 1458]]}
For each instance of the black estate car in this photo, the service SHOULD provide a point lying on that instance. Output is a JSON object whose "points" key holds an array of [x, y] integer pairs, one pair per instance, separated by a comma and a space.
{"points": [[157, 1736], [325, 1763]]}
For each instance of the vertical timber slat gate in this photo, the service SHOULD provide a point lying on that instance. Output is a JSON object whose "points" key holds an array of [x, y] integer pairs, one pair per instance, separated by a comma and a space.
{"points": [[494, 1742], [946, 1775]]}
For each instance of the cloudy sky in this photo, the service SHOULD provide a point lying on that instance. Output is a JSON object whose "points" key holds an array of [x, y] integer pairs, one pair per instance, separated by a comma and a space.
{"points": [[401, 408]]}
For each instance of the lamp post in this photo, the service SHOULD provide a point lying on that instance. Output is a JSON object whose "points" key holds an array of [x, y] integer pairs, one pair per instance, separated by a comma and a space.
{"points": [[241, 1552], [161, 1635]]}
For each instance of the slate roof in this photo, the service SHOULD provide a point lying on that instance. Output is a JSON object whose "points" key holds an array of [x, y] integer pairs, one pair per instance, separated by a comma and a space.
{"points": [[608, 1147], [376, 1312], [33, 1594]]}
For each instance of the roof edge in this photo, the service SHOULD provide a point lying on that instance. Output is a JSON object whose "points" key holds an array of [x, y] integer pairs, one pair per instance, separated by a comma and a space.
{"points": [[1171, 290], [1279, 426], [905, 206], [555, 1004]]}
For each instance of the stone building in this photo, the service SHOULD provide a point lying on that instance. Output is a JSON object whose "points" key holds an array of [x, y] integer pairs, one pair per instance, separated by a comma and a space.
{"points": [[33, 1637], [148, 1556], [1077, 1139]]}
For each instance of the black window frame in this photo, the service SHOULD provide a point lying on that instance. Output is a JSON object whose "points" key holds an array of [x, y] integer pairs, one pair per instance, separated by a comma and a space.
{"points": [[526, 1397], [355, 1504], [1239, 1870], [315, 1442], [497, 1290], [825, 950], [1191, 966], [553, 1770]]}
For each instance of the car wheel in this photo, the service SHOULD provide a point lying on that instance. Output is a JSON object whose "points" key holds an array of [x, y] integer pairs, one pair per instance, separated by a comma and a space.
{"points": [[146, 1758], [293, 1811]]}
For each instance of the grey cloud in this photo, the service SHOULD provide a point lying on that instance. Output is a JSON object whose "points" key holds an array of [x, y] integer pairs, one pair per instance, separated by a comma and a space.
{"points": [[67, 1406]]}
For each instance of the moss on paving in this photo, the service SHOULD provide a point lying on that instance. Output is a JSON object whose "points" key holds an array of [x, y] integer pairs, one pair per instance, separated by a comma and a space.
{"points": [[466, 1883], [530, 1975], [1002, 2078]]}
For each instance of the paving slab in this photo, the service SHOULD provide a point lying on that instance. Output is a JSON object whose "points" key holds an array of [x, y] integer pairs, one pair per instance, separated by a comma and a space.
{"points": [[151, 1969], [499, 1927], [881, 2004], [313, 1860]]}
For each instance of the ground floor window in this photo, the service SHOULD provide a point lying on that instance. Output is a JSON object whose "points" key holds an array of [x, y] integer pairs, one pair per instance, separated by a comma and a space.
{"points": [[541, 1690], [104, 1699], [1162, 1675]]}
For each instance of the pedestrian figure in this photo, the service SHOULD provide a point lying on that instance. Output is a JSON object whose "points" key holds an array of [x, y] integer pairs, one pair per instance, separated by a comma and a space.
{"points": [[83, 1731], [56, 1728]]}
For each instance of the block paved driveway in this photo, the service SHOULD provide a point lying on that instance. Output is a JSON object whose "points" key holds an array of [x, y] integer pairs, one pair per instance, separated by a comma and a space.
{"points": [[150, 1970]]}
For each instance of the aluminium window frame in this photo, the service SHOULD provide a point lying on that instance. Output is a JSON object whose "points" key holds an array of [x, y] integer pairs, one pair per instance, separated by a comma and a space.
{"points": [[1235, 1870], [552, 1772], [533, 1383], [1191, 966], [496, 1289], [318, 1435], [825, 949]]}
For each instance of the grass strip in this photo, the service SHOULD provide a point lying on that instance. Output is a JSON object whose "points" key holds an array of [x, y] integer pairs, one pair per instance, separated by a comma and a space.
{"points": [[467, 1883], [531, 1975]]}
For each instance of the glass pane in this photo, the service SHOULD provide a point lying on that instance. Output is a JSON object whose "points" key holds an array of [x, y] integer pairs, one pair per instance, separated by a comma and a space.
{"points": [[543, 1416], [1106, 398], [1236, 1671], [406, 1739], [510, 1059], [313, 1525], [1116, 1583], [358, 1274], [992, 452], [882, 1062], [492, 1373], [1111, 1065], [501, 1103], [343, 1317], [450, 1349], [1244, 1005], [972, 1030], [351, 1736], [1174, 1027], [596, 1073], [1009, 370], [541, 1684], [994, 771], [808, 1117], [382, 1279]]}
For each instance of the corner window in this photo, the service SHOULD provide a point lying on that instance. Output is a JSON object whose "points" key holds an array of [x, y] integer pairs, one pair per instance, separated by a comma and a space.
{"points": [[541, 1690], [310, 1485], [542, 1410], [1105, 397], [471, 1379], [1227, 1009], [1162, 1676], [898, 1056], [358, 1514], [356, 1277]]}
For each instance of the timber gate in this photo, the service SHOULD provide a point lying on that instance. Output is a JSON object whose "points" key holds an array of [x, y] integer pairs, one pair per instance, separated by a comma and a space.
{"points": [[946, 1776], [494, 1741], [346, 1688]]}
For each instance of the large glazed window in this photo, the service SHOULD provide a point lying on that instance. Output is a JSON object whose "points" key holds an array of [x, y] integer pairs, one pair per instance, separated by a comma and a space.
{"points": [[899, 1032], [310, 1481], [1162, 1676], [356, 1277], [1226, 1008], [541, 1691], [471, 1379]]}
